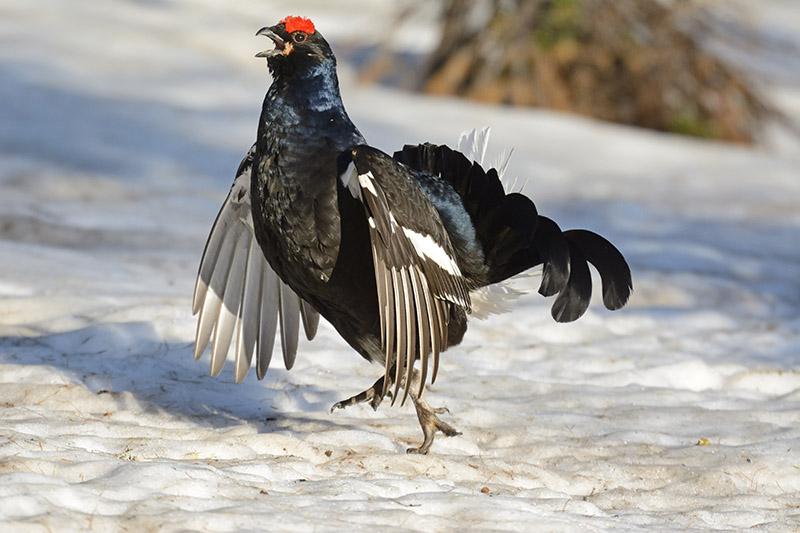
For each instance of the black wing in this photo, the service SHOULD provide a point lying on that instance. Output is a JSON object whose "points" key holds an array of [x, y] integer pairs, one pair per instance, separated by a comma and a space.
{"points": [[418, 279]]}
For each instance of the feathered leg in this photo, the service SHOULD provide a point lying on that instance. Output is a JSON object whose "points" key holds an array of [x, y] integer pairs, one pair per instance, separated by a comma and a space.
{"points": [[428, 421], [427, 415]]}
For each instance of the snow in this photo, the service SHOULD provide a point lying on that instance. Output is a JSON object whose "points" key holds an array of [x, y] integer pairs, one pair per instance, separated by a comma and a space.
{"points": [[121, 126]]}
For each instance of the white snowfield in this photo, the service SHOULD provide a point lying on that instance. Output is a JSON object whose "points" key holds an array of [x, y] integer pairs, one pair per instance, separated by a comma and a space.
{"points": [[121, 126]]}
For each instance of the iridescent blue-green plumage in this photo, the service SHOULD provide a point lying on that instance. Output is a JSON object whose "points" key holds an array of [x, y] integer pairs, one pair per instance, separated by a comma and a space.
{"points": [[389, 249]]}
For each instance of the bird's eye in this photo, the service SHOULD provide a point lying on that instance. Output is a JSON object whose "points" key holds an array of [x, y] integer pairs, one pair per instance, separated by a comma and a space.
{"points": [[299, 36]]}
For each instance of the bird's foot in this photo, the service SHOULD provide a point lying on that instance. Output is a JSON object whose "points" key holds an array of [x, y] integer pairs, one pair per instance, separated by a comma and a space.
{"points": [[374, 395], [430, 424]]}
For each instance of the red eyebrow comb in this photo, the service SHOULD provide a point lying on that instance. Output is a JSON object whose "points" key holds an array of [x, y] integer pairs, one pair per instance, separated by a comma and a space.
{"points": [[294, 24]]}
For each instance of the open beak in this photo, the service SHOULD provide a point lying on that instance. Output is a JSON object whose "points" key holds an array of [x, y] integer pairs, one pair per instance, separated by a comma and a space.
{"points": [[281, 46]]}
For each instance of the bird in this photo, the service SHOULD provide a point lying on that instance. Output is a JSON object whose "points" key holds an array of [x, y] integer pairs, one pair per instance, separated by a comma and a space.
{"points": [[396, 251]]}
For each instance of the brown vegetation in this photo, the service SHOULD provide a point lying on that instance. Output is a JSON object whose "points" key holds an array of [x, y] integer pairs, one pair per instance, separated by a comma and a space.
{"points": [[630, 61]]}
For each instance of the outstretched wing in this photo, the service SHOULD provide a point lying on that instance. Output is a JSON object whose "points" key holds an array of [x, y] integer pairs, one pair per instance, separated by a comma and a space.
{"points": [[417, 277], [238, 298]]}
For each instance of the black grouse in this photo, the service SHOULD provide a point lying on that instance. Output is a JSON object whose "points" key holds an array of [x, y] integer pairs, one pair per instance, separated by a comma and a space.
{"points": [[391, 250]]}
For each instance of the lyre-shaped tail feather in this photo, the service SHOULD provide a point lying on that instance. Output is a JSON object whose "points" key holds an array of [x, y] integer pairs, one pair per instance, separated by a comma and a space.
{"points": [[515, 238]]}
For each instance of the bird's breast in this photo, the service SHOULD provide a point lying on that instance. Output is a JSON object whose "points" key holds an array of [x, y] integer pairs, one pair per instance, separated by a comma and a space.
{"points": [[295, 210]]}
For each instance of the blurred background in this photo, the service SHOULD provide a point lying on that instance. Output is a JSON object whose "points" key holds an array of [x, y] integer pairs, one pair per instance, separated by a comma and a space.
{"points": [[668, 126], [668, 65], [121, 120]]}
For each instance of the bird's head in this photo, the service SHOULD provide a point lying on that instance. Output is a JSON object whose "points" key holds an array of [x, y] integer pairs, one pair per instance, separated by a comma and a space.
{"points": [[299, 47]]}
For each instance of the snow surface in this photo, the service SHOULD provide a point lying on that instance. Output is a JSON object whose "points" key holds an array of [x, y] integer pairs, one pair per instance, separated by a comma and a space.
{"points": [[121, 124]]}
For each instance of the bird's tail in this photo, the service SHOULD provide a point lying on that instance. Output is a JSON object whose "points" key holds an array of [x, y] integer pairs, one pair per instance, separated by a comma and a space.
{"points": [[516, 238]]}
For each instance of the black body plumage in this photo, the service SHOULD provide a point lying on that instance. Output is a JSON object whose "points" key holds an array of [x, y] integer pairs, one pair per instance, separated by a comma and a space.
{"points": [[387, 249]]}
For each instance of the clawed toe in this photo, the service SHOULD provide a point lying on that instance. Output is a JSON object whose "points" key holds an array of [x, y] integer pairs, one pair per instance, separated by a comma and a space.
{"points": [[430, 424], [446, 429], [365, 396], [373, 395], [427, 415], [340, 405]]}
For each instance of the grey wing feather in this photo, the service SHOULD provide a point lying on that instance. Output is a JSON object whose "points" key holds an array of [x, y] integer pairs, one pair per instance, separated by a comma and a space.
{"points": [[239, 299], [270, 304], [310, 319], [290, 325]]}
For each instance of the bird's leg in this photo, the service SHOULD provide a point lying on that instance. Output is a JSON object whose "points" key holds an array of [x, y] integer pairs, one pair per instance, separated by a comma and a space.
{"points": [[428, 420], [374, 395]]}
